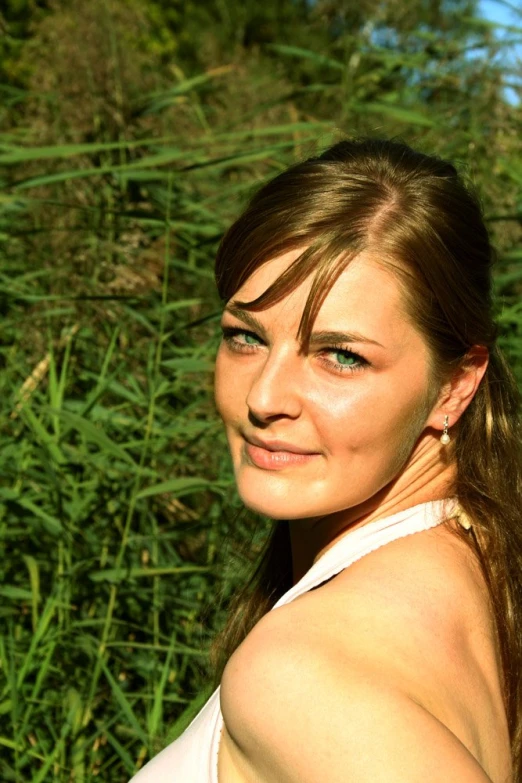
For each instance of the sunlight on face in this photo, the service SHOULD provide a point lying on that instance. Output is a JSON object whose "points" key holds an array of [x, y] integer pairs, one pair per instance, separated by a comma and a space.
{"points": [[355, 403]]}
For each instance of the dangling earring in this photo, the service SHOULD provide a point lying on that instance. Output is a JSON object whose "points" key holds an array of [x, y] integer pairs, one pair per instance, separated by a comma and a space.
{"points": [[445, 438]]}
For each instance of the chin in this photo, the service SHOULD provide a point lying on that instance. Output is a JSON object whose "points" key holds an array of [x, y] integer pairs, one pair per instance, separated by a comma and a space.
{"points": [[287, 506], [260, 505]]}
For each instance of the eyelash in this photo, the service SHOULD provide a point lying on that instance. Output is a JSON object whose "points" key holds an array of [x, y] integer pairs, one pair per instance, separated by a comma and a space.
{"points": [[230, 333]]}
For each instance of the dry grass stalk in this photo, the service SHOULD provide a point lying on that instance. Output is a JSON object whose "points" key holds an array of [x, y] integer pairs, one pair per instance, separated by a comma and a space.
{"points": [[38, 374]]}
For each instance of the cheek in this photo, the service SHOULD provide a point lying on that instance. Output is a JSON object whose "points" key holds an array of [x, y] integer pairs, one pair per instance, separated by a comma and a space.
{"points": [[338, 416], [374, 418]]}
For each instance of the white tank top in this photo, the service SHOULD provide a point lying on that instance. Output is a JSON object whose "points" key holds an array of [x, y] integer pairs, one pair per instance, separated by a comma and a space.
{"points": [[193, 757]]}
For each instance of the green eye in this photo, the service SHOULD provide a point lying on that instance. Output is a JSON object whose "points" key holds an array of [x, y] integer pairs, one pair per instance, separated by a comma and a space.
{"points": [[240, 339], [345, 359]]}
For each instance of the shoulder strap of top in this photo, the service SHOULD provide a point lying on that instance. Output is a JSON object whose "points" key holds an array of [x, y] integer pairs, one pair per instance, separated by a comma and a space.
{"points": [[359, 542]]}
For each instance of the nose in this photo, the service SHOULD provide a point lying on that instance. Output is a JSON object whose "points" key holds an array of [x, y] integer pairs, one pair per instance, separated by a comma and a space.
{"points": [[275, 392]]}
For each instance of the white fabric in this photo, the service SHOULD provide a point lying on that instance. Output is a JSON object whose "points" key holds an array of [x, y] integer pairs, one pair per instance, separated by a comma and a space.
{"points": [[193, 757]]}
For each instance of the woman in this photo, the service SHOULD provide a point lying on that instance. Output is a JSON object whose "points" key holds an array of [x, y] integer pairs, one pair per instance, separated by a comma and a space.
{"points": [[370, 414]]}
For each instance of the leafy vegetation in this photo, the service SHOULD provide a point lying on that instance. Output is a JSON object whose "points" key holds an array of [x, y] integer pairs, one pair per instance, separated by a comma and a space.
{"points": [[131, 132]]}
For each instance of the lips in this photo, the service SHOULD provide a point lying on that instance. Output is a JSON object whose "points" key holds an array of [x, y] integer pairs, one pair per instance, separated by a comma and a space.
{"points": [[276, 454], [276, 460], [277, 445]]}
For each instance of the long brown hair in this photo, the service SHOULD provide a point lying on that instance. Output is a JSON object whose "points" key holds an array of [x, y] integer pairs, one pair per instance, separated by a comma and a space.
{"points": [[416, 211]]}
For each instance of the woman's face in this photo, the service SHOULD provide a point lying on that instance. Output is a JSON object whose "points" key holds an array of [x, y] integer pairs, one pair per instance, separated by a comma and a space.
{"points": [[316, 433]]}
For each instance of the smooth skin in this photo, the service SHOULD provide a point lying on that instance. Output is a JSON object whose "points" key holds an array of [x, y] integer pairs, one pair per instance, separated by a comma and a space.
{"points": [[388, 672]]}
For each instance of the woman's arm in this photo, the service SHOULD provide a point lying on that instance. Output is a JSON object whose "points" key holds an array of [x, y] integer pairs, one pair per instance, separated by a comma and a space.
{"points": [[310, 721]]}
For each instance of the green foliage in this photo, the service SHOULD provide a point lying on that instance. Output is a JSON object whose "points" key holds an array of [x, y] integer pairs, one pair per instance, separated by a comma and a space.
{"points": [[125, 150], [16, 18]]}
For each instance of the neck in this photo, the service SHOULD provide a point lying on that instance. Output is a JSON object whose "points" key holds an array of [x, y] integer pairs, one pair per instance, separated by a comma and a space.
{"points": [[425, 478]]}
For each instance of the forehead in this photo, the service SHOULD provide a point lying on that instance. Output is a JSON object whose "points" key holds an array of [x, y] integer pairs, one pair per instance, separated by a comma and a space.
{"points": [[367, 296]]}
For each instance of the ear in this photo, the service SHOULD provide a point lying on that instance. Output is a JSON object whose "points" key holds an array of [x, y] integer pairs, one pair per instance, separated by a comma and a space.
{"points": [[457, 393]]}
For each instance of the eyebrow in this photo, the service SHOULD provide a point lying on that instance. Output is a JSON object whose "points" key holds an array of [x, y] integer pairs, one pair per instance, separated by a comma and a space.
{"points": [[316, 338]]}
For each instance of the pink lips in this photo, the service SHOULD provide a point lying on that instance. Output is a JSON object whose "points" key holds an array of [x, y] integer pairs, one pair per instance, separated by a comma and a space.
{"points": [[276, 454]]}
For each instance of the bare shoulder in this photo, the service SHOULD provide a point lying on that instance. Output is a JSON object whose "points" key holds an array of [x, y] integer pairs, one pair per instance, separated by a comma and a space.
{"points": [[417, 606], [394, 656], [422, 596], [315, 723]]}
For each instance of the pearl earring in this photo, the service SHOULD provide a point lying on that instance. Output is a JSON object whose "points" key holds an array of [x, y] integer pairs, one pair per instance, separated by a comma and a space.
{"points": [[445, 438]]}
